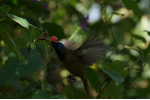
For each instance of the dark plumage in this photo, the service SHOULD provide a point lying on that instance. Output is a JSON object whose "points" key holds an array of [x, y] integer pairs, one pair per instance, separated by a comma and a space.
{"points": [[76, 60]]}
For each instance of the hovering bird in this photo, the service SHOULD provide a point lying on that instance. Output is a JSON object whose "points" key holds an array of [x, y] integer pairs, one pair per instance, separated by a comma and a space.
{"points": [[76, 60]]}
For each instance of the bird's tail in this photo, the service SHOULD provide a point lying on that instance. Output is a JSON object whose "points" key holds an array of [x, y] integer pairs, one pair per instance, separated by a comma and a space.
{"points": [[86, 85]]}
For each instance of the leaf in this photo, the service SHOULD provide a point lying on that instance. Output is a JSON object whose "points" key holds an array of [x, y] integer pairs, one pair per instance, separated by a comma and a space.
{"points": [[148, 32], [27, 92], [130, 4], [5, 8], [22, 21], [139, 38], [116, 70], [117, 66], [60, 96], [29, 47], [21, 57], [74, 94], [14, 69], [16, 85], [121, 29], [113, 91], [114, 75], [43, 94], [93, 78], [147, 54], [2, 19], [111, 1], [68, 92], [54, 29]]}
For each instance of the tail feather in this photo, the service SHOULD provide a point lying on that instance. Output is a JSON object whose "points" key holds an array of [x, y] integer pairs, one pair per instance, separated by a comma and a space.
{"points": [[86, 85]]}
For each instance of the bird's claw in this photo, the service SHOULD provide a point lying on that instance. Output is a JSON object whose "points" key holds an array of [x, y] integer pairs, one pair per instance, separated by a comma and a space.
{"points": [[71, 79]]}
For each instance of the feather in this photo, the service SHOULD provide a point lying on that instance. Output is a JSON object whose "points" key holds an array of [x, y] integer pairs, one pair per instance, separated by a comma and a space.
{"points": [[91, 51]]}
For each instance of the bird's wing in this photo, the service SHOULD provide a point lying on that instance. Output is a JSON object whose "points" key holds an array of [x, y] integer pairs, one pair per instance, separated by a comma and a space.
{"points": [[91, 51]]}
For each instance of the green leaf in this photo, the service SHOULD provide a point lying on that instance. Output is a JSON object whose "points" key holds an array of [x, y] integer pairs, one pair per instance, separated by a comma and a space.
{"points": [[111, 1], [22, 21], [146, 54], [8, 36], [29, 47], [117, 66], [130, 4], [4, 27], [93, 78], [54, 29], [148, 32], [16, 85], [121, 29], [74, 94], [5, 8], [14, 69], [114, 76], [43, 94], [113, 91], [2, 19], [60, 96], [139, 38], [27, 92], [68, 92], [116, 70]]}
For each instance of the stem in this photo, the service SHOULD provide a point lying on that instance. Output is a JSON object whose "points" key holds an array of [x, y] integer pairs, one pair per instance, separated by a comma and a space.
{"points": [[75, 32], [45, 68], [32, 33], [101, 88]]}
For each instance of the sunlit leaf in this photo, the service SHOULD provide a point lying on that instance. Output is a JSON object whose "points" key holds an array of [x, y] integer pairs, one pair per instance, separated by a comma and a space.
{"points": [[121, 29], [22, 21], [139, 37], [148, 32], [132, 5]]}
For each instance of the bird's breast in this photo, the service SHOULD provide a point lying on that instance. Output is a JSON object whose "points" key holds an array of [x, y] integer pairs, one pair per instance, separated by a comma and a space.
{"points": [[73, 64]]}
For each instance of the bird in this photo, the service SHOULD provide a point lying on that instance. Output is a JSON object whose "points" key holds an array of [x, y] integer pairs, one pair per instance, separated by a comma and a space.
{"points": [[75, 61]]}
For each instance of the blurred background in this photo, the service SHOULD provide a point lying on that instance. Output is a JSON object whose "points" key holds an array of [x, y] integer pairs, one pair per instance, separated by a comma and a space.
{"points": [[31, 69]]}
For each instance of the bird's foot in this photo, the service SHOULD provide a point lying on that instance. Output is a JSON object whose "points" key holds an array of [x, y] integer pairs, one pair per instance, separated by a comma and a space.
{"points": [[71, 79]]}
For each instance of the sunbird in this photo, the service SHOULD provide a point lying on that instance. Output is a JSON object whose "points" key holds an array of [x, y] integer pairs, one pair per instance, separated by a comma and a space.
{"points": [[75, 61]]}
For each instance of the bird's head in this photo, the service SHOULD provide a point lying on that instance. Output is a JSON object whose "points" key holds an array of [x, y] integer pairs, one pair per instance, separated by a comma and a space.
{"points": [[60, 49], [57, 45]]}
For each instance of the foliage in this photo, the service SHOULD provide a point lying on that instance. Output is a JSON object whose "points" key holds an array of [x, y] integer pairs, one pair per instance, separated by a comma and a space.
{"points": [[30, 68]]}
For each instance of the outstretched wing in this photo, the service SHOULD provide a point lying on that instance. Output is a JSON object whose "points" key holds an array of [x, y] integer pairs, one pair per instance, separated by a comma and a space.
{"points": [[91, 51]]}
